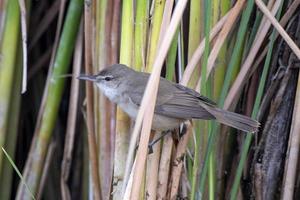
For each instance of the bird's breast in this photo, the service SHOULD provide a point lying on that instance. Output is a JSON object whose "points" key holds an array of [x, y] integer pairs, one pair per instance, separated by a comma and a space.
{"points": [[129, 107]]}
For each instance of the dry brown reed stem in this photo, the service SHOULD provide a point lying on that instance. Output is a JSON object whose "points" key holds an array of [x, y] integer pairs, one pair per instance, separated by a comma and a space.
{"points": [[72, 115], [127, 192], [152, 170], [264, 20], [164, 167], [105, 110], [24, 43], [166, 19], [199, 51], [149, 100], [229, 23], [245, 68], [89, 95], [48, 160], [279, 28], [177, 164], [154, 159], [293, 150]]}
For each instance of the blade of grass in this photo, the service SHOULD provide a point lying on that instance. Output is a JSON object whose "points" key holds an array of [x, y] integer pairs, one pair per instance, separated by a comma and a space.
{"points": [[19, 173]]}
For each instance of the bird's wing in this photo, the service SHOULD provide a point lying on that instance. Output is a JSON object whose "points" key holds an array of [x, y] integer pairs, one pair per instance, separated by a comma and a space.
{"points": [[175, 100]]}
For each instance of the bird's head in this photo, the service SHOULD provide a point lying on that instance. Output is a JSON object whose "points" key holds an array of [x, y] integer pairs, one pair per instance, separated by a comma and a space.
{"points": [[110, 77]]}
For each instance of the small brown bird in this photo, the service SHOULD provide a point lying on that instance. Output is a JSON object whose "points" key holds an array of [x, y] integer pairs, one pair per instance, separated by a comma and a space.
{"points": [[175, 103]]}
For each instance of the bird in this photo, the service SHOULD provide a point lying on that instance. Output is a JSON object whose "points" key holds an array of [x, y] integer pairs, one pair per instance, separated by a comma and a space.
{"points": [[175, 103]]}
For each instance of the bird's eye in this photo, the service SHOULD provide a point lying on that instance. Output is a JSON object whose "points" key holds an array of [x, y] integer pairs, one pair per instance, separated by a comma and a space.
{"points": [[108, 78]]}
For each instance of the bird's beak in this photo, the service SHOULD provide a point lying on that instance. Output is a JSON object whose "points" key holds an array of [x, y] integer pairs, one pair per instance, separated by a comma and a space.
{"points": [[87, 77]]}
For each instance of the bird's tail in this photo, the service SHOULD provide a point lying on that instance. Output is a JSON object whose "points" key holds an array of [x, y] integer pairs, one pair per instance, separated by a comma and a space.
{"points": [[232, 119]]}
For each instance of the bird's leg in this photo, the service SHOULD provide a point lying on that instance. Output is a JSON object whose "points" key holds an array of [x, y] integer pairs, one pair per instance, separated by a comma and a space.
{"points": [[150, 145], [183, 130]]}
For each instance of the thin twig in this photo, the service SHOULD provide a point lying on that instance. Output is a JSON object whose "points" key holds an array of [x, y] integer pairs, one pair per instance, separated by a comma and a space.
{"points": [[24, 43], [279, 28]]}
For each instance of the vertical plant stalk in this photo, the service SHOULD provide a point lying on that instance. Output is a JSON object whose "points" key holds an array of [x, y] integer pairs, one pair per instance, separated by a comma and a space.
{"points": [[93, 156], [114, 56], [218, 80], [195, 30], [141, 23], [149, 99], [293, 150], [167, 146], [6, 178], [195, 26], [35, 163], [155, 37], [123, 121], [72, 116], [164, 167], [7, 67], [103, 108], [152, 171], [205, 90], [154, 33], [177, 164]]}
